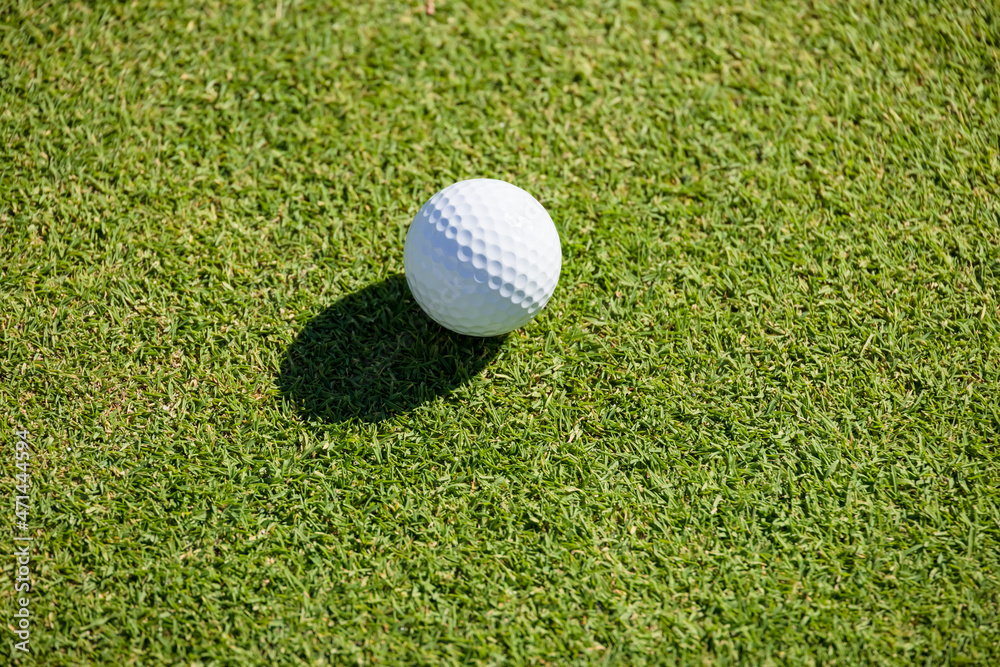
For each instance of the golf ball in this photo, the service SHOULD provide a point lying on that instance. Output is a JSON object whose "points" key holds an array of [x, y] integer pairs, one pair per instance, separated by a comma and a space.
{"points": [[482, 257]]}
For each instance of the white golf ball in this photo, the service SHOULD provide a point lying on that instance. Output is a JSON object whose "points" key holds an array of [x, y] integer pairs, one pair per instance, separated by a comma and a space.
{"points": [[482, 257]]}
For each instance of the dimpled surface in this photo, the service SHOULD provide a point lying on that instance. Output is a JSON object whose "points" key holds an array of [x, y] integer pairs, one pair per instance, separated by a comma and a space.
{"points": [[482, 257]]}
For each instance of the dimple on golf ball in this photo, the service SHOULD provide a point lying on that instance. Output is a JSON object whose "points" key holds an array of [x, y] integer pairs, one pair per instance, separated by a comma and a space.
{"points": [[482, 257]]}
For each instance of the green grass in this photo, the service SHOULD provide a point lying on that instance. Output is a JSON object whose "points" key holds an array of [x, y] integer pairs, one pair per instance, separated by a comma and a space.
{"points": [[758, 422]]}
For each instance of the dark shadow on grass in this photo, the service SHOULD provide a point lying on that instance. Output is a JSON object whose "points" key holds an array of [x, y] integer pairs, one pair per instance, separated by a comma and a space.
{"points": [[374, 354]]}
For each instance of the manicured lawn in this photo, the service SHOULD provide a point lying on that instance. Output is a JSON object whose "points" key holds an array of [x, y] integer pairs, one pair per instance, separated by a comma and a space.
{"points": [[758, 422]]}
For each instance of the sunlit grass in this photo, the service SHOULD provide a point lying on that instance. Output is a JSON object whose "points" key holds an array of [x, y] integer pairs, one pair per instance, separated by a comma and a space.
{"points": [[757, 423]]}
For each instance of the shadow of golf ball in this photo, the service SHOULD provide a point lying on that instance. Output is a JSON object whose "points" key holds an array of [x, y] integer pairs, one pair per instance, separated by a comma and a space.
{"points": [[374, 354]]}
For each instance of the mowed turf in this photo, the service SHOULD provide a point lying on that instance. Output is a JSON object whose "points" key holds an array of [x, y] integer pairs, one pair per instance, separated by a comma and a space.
{"points": [[757, 424]]}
